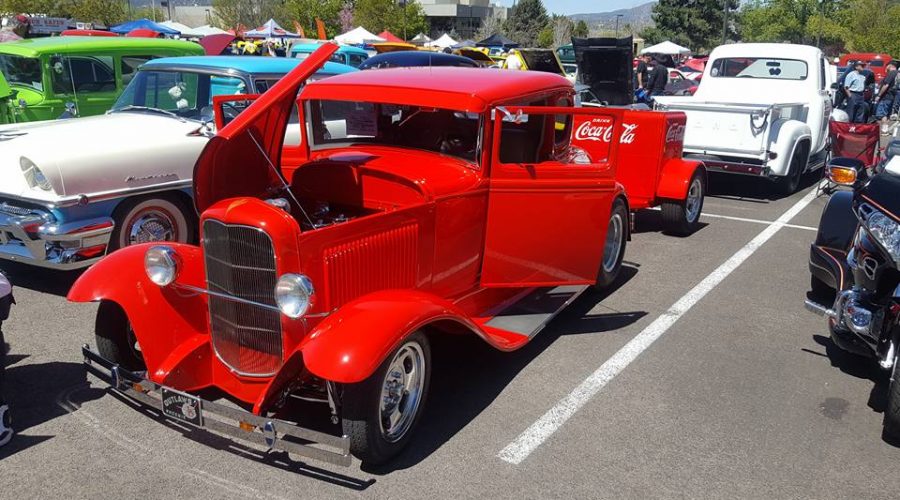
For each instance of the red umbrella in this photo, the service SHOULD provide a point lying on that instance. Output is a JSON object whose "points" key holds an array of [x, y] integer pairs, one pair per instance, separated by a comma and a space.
{"points": [[387, 35], [215, 45], [87, 33], [143, 33]]}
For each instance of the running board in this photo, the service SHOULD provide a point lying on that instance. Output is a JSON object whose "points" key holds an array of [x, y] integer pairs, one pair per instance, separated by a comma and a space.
{"points": [[530, 314]]}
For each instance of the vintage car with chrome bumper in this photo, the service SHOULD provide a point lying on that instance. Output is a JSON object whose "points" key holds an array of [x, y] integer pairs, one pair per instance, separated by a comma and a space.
{"points": [[72, 191], [418, 203]]}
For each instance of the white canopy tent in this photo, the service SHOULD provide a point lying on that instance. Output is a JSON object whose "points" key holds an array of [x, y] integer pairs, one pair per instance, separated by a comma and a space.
{"points": [[186, 31], [667, 48], [270, 30], [358, 36], [443, 42], [207, 30]]}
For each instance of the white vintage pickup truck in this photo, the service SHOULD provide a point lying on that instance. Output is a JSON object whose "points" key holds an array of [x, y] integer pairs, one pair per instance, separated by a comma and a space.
{"points": [[761, 109]]}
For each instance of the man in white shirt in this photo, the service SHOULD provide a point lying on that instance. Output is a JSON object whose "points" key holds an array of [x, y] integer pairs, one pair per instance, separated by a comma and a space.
{"points": [[854, 87]]}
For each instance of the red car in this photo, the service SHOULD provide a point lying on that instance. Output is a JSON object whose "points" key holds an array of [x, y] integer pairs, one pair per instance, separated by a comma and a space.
{"points": [[415, 203], [877, 63]]}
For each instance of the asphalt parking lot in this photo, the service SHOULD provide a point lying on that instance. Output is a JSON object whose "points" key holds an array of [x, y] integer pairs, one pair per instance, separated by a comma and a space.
{"points": [[699, 375]]}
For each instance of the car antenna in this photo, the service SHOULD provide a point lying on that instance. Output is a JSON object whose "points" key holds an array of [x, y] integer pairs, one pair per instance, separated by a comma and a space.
{"points": [[284, 183]]}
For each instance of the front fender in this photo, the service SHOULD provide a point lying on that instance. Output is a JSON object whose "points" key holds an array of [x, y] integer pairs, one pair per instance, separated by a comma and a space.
{"points": [[838, 223], [784, 136], [675, 178], [349, 345]]}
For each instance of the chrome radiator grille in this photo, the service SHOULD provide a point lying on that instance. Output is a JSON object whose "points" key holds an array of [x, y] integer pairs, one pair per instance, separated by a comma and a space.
{"points": [[240, 262]]}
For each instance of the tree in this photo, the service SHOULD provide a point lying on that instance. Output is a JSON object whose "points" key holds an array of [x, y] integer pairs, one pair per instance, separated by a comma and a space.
{"points": [[107, 12], [403, 19], [563, 29], [581, 30], [306, 12], [795, 21], [346, 17], [696, 24], [230, 13], [526, 20], [154, 13], [491, 25]]}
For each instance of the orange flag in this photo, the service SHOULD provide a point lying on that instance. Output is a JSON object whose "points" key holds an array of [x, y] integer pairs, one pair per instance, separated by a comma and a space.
{"points": [[321, 27], [299, 29]]}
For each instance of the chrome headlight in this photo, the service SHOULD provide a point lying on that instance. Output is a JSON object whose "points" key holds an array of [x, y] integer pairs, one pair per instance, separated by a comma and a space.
{"points": [[885, 230], [294, 294], [161, 265], [33, 174]]}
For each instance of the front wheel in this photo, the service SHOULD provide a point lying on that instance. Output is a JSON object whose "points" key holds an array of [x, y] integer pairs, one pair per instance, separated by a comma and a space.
{"points": [[614, 245], [682, 218], [145, 220], [380, 413], [116, 340]]}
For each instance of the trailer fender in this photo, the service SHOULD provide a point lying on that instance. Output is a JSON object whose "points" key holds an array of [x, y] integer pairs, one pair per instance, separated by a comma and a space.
{"points": [[676, 176], [349, 345], [785, 136]]}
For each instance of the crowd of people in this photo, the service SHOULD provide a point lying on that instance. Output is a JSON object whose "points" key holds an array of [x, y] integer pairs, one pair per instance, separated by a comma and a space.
{"points": [[866, 100]]}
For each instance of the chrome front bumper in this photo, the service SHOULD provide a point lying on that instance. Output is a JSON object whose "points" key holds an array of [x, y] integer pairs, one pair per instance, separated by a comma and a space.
{"points": [[30, 237], [236, 423]]}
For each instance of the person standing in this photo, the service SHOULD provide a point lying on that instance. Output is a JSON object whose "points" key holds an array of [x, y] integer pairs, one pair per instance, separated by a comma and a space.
{"points": [[884, 101], [854, 86], [658, 78], [641, 73]]}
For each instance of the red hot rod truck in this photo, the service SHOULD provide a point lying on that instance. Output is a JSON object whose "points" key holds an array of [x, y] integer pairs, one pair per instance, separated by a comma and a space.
{"points": [[414, 203]]}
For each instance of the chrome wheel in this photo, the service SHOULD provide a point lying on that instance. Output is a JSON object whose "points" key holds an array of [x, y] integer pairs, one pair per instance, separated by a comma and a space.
{"points": [[152, 224], [694, 201], [401, 391], [614, 235]]}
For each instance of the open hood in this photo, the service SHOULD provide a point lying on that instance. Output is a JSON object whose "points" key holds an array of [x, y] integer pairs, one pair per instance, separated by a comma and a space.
{"points": [[605, 65], [244, 158]]}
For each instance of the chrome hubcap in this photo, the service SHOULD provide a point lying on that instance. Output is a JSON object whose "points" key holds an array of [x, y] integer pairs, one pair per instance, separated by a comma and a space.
{"points": [[694, 200], [152, 225], [401, 391], [613, 245]]}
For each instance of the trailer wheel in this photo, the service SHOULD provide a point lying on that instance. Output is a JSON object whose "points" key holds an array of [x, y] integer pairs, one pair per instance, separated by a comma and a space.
{"points": [[614, 246], [380, 413], [115, 338], [682, 218], [788, 184]]}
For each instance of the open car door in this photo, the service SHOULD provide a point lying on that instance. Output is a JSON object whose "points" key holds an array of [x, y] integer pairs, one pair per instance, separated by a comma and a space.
{"points": [[244, 157], [551, 193]]}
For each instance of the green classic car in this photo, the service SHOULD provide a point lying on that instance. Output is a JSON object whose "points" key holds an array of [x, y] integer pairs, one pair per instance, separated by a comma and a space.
{"points": [[46, 78]]}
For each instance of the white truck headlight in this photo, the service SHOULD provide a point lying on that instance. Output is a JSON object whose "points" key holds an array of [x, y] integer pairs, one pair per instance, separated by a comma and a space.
{"points": [[33, 174], [161, 265], [885, 231], [294, 294]]}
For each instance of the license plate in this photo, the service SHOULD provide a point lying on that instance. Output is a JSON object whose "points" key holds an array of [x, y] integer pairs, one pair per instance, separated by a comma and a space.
{"points": [[181, 406]]}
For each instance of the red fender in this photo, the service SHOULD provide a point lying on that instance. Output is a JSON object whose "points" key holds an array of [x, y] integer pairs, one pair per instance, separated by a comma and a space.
{"points": [[349, 345], [675, 176]]}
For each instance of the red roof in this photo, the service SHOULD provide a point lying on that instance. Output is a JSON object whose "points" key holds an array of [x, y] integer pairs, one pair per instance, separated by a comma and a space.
{"points": [[142, 33], [387, 35], [463, 89]]}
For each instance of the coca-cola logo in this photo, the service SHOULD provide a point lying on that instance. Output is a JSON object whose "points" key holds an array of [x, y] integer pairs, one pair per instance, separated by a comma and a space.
{"points": [[601, 129], [675, 133]]}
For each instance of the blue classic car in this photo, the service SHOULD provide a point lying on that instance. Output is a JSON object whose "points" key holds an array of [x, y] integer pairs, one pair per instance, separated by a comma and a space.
{"points": [[346, 54], [73, 190]]}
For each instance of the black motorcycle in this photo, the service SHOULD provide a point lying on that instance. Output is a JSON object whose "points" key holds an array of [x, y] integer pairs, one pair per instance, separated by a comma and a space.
{"points": [[856, 257]]}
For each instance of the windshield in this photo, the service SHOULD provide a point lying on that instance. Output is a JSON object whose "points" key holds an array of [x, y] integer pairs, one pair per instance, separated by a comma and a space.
{"points": [[437, 130], [21, 71], [184, 93], [759, 67]]}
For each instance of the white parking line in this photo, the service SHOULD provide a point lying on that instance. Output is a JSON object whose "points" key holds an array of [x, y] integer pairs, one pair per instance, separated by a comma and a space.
{"points": [[551, 421], [758, 221]]}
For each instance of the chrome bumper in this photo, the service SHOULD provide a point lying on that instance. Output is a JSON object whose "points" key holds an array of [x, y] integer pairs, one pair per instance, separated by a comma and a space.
{"points": [[32, 239], [232, 422]]}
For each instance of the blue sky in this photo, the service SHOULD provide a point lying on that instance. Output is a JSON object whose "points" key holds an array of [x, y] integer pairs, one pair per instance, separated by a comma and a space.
{"points": [[583, 6]]}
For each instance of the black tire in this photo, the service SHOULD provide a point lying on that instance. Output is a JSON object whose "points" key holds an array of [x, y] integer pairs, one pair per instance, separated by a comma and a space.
{"points": [[682, 218], [175, 220], [608, 274], [788, 184], [115, 339], [892, 411], [6, 430], [361, 417]]}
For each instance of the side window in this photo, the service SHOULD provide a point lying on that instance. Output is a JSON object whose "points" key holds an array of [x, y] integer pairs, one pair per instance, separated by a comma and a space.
{"points": [[225, 85], [80, 74], [822, 83], [338, 58], [563, 126], [357, 59], [159, 86], [525, 141], [129, 67]]}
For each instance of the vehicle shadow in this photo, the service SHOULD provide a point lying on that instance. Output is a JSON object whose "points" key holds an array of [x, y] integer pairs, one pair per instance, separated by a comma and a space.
{"points": [[752, 189], [36, 394], [40, 279], [651, 221], [469, 375]]}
